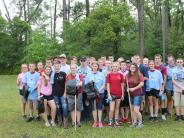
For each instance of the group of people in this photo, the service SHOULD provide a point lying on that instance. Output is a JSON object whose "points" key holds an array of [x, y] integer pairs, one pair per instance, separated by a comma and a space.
{"points": [[121, 90]]}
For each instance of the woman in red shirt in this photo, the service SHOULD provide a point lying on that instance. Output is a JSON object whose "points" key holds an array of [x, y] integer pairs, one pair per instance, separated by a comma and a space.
{"points": [[115, 89], [135, 83]]}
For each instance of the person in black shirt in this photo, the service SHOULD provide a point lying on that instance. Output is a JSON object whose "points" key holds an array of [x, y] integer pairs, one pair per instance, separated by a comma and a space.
{"points": [[59, 93]]}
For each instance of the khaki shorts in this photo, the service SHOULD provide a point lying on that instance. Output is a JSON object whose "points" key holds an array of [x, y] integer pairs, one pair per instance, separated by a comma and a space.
{"points": [[178, 99]]}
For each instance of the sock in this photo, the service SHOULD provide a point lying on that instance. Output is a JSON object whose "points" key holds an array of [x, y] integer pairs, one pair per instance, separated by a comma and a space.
{"points": [[163, 111]]}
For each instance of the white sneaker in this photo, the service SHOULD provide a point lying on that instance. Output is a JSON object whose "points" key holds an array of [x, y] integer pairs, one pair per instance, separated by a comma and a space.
{"points": [[53, 123], [163, 117], [47, 124]]}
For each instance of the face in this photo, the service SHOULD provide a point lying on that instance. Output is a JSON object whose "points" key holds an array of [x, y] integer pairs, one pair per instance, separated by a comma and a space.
{"points": [[171, 61], [62, 60], [111, 58], [48, 70], [158, 59], [57, 67], [48, 63], [137, 59], [151, 65], [83, 63], [123, 66], [94, 67], [40, 66], [132, 68], [55, 60], [180, 62], [100, 63], [31, 67], [73, 68], [145, 61], [74, 61], [115, 67], [108, 64], [24, 68]]}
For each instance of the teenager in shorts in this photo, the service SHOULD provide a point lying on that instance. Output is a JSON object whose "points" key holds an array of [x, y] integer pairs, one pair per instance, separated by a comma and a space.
{"points": [[125, 103], [154, 90], [178, 87], [135, 82], [23, 97], [30, 80], [169, 85], [45, 90], [99, 81], [115, 88], [71, 98]]}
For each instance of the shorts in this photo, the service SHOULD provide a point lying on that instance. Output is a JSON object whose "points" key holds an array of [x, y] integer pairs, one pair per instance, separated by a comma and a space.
{"points": [[71, 102], [33, 96], [178, 99], [125, 102], [153, 92], [170, 92], [100, 101], [136, 100], [24, 98], [48, 98], [115, 97]]}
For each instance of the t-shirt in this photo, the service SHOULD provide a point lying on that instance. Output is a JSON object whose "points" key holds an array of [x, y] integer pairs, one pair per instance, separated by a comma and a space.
{"points": [[115, 80], [31, 80], [45, 90], [169, 84], [132, 83], [155, 80], [178, 74], [59, 81], [19, 80], [84, 70], [78, 78], [98, 78], [162, 69], [65, 68]]}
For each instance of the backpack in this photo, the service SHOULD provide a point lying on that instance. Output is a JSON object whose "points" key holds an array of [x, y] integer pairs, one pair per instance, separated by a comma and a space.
{"points": [[90, 90], [71, 87]]}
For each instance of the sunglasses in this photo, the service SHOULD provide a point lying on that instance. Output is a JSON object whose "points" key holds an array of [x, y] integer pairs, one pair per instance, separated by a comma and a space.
{"points": [[179, 62]]}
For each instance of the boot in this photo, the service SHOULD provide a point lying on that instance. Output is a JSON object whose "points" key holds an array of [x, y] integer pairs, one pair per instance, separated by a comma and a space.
{"points": [[65, 123]]}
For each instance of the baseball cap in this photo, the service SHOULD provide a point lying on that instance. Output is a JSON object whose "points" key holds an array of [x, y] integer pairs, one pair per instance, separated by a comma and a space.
{"points": [[62, 56], [83, 59]]}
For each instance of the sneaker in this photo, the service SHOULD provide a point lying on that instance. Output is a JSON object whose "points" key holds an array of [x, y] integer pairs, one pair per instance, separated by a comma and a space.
{"points": [[116, 124], [182, 117], [151, 119], [155, 119], [100, 124], [53, 123], [73, 124], [24, 117], [123, 120], [37, 118], [139, 125], [29, 119], [163, 118], [78, 124], [126, 120], [133, 125], [95, 125], [110, 124], [47, 124], [177, 118]]}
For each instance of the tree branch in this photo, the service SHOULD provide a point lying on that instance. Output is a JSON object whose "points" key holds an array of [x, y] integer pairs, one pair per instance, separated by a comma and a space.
{"points": [[8, 14]]}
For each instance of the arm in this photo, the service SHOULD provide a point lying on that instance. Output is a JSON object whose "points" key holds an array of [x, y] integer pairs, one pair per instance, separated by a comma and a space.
{"points": [[175, 83], [64, 95], [140, 85], [18, 81], [122, 87]]}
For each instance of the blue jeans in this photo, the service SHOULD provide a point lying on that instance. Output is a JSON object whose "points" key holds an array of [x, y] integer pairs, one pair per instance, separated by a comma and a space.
{"points": [[136, 100], [61, 105]]}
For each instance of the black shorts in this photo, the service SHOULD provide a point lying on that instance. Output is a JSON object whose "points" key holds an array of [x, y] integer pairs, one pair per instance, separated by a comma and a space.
{"points": [[21, 92], [125, 102], [115, 97], [153, 92], [48, 98]]}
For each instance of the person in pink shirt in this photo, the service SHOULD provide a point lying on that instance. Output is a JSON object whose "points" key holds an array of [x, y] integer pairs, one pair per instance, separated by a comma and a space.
{"points": [[24, 69], [45, 89]]}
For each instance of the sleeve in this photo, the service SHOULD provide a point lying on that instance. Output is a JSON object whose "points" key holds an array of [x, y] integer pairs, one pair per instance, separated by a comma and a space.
{"points": [[164, 70], [161, 78], [141, 78], [122, 78], [108, 78]]}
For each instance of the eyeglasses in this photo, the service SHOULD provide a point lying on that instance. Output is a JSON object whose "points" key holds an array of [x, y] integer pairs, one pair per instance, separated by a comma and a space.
{"points": [[179, 62]]}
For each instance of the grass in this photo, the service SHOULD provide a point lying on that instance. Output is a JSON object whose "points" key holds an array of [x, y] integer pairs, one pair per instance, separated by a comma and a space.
{"points": [[12, 125]]}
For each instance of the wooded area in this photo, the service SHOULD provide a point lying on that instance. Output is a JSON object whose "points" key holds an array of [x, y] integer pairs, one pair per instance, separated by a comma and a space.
{"points": [[45, 28]]}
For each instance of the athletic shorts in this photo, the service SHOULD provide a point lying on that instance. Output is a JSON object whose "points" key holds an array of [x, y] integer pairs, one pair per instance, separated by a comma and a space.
{"points": [[136, 100], [125, 102], [48, 98], [71, 102], [178, 99], [153, 92]]}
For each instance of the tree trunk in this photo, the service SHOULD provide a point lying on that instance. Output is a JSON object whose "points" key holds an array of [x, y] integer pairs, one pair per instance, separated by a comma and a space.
{"points": [[8, 14], [55, 17], [164, 29], [51, 23], [141, 26], [68, 10], [87, 8], [64, 13]]}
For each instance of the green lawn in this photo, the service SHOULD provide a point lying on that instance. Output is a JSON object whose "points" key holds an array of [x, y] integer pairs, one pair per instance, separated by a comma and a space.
{"points": [[12, 125]]}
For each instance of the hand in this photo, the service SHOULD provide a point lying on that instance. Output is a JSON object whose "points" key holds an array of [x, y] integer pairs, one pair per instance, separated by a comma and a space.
{"points": [[131, 89], [160, 93], [122, 97], [64, 95], [109, 97]]}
